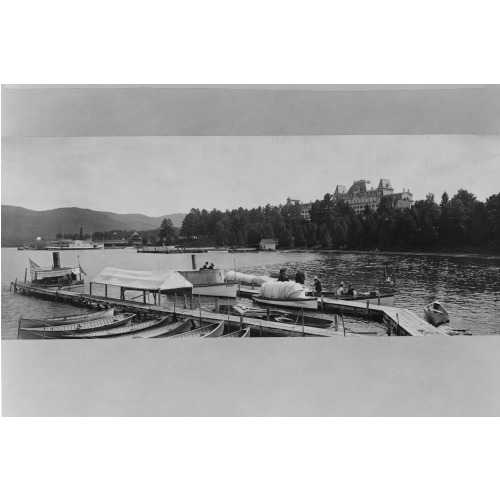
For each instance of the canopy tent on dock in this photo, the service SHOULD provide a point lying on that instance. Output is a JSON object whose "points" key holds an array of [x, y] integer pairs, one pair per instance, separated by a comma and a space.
{"points": [[155, 282]]}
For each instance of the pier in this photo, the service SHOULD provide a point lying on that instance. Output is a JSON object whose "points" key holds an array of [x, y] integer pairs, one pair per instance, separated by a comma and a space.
{"points": [[399, 321], [258, 327]]}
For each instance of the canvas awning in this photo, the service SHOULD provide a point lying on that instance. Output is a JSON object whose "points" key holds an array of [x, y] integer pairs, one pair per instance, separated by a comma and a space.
{"points": [[142, 280]]}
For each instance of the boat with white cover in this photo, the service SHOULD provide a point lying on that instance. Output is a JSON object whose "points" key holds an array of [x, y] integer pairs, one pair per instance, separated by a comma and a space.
{"points": [[285, 294]]}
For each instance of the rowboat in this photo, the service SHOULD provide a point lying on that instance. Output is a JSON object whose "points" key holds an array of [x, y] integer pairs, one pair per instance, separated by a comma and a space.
{"points": [[88, 326], [278, 316], [65, 320], [123, 331], [245, 332], [207, 331], [382, 299], [436, 313], [285, 294], [166, 330]]}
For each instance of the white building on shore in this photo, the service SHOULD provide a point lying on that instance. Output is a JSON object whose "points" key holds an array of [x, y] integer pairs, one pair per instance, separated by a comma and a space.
{"points": [[359, 195]]}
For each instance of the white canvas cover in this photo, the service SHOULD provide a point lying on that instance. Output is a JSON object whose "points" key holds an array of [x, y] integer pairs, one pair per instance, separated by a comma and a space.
{"points": [[142, 280], [247, 279], [282, 290]]}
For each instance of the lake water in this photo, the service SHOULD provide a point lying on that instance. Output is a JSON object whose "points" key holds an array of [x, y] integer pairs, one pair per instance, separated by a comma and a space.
{"points": [[468, 286]]}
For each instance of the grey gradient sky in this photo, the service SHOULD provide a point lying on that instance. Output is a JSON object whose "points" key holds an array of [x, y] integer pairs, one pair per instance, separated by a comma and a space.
{"points": [[158, 150]]}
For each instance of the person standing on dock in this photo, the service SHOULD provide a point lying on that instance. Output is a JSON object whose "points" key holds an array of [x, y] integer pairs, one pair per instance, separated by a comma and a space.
{"points": [[300, 277], [317, 286]]}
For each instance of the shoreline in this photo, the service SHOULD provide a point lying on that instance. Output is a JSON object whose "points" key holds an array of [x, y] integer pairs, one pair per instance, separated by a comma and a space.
{"points": [[327, 251]]}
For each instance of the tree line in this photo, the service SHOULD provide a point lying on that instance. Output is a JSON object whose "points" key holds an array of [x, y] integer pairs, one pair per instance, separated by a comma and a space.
{"points": [[457, 222]]}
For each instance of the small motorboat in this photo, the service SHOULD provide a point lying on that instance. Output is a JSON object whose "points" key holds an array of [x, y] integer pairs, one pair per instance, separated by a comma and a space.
{"points": [[436, 313]]}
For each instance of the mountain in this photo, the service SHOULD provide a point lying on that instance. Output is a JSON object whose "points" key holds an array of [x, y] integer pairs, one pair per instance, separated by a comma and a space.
{"points": [[20, 225]]}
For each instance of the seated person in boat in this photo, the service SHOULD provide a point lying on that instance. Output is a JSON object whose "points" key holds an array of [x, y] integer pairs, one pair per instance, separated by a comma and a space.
{"points": [[341, 289], [65, 281], [317, 286], [282, 276], [350, 290], [211, 266], [204, 267]]}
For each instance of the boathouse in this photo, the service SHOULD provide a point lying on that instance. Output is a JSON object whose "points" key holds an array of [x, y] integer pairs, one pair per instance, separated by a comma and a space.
{"points": [[135, 240], [267, 244]]}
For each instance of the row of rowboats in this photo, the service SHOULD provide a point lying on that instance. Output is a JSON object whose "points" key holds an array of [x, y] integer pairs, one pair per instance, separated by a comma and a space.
{"points": [[107, 324]]}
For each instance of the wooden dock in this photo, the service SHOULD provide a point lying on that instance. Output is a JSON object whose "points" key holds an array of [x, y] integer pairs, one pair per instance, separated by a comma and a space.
{"points": [[399, 321], [258, 327]]}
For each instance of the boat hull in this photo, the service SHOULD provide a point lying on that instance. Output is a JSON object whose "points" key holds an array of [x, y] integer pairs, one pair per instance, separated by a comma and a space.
{"points": [[228, 290], [65, 320], [56, 332], [386, 299], [310, 304]]}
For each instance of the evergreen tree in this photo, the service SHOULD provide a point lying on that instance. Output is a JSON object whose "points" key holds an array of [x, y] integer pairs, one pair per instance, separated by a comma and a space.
{"points": [[325, 238], [311, 235], [166, 231], [299, 239]]}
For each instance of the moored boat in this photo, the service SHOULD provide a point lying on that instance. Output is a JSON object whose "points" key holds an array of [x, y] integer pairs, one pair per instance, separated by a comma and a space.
{"points": [[122, 331], [56, 276], [436, 313], [245, 332], [210, 282], [204, 332], [166, 330], [65, 320], [277, 315], [58, 330], [74, 245], [285, 294], [375, 298]]}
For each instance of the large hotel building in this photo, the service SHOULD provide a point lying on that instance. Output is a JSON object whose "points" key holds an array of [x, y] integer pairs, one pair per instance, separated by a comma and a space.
{"points": [[360, 194]]}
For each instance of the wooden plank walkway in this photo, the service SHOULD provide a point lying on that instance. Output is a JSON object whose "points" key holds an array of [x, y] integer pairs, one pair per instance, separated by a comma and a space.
{"points": [[398, 320], [257, 325], [409, 323]]}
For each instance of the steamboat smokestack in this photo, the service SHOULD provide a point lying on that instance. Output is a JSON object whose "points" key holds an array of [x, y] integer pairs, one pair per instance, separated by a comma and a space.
{"points": [[81, 233], [56, 260], [193, 261]]}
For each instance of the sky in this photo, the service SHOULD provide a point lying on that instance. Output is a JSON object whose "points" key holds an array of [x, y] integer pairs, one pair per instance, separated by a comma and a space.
{"points": [[158, 150]]}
